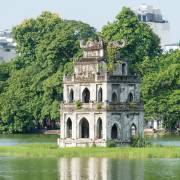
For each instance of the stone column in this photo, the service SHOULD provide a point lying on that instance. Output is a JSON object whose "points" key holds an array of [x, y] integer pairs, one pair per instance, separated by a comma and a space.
{"points": [[62, 131], [74, 126], [91, 121]]}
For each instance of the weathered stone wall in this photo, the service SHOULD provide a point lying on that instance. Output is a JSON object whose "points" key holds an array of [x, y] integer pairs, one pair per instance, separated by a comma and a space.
{"points": [[79, 88], [118, 69], [124, 121], [92, 119], [122, 90], [86, 69]]}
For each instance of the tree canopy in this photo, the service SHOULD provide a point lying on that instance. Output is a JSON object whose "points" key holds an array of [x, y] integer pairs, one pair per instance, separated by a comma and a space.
{"points": [[140, 40], [161, 90], [160, 73], [31, 85], [31, 88]]}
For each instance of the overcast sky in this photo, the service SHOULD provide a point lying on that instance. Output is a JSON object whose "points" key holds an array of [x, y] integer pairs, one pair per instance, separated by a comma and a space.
{"points": [[94, 12]]}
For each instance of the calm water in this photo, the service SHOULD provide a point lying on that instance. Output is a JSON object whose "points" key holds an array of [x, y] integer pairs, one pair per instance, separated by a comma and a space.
{"points": [[165, 140], [12, 140], [17, 168], [88, 169]]}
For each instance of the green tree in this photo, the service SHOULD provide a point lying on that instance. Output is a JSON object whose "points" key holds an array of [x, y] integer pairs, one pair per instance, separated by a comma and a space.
{"points": [[15, 101], [161, 90], [4, 75], [140, 41], [33, 89]]}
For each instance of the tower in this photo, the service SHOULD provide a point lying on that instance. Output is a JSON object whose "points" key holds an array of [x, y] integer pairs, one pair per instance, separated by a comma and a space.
{"points": [[99, 106]]}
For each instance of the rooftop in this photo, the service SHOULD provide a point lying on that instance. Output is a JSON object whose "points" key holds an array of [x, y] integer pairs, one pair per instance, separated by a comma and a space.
{"points": [[148, 13]]}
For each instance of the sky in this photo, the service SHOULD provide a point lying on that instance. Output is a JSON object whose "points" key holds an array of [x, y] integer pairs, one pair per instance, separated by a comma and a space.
{"points": [[94, 12]]}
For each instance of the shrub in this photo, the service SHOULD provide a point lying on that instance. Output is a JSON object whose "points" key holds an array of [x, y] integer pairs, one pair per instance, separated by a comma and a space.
{"points": [[78, 104], [93, 145], [132, 105], [139, 142], [111, 143], [99, 106]]}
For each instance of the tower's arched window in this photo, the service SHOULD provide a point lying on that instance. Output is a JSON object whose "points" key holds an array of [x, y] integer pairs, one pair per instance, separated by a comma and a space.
{"points": [[130, 97], [123, 69], [133, 130], [71, 96], [69, 128], [114, 97], [100, 95], [86, 96], [114, 132], [99, 128], [84, 128]]}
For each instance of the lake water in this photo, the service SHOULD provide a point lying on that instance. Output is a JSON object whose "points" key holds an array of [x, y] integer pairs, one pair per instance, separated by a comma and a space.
{"points": [[165, 140], [16, 139], [88, 169], [18, 168], [11, 140]]}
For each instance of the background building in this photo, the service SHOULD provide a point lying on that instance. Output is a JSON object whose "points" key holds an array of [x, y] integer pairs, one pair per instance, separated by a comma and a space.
{"points": [[7, 46], [171, 47], [153, 17]]}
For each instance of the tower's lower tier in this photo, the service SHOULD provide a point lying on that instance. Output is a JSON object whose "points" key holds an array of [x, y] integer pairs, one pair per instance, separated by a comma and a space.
{"points": [[81, 129]]}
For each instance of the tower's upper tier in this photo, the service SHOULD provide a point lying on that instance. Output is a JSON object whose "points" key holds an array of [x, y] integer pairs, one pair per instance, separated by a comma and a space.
{"points": [[92, 49], [94, 62]]}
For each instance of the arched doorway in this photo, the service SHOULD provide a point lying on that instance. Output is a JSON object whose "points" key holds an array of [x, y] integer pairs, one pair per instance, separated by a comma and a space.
{"points": [[86, 96], [71, 96], [114, 132], [130, 97], [99, 129], [123, 69], [84, 128], [114, 97], [69, 128], [100, 95], [133, 130]]}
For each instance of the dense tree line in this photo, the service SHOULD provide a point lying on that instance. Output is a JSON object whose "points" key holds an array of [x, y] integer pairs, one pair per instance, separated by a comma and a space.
{"points": [[31, 84], [161, 89]]}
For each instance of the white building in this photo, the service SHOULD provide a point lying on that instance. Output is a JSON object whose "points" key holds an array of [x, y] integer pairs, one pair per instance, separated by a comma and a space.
{"points": [[7, 46], [100, 106], [171, 47], [153, 17]]}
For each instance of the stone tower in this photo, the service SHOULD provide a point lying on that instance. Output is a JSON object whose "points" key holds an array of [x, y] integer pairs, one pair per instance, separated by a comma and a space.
{"points": [[99, 106]]}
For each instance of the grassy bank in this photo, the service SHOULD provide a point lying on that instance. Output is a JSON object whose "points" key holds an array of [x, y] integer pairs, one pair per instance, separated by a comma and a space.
{"points": [[44, 150]]}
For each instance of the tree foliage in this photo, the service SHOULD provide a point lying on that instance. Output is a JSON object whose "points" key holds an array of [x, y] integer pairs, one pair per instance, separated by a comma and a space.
{"points": [[31, 85], [161, 90], [160, 73], [140, 41], [32, 89]]}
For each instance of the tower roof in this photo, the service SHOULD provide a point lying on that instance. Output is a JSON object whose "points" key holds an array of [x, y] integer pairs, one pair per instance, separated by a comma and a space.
{"points": [[92, 50]]}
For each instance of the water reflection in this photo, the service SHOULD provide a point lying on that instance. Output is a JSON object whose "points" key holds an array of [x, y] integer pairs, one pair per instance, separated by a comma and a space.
{"points": [[14, 139], [21, 168], [100, 169], [164, 139]]}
